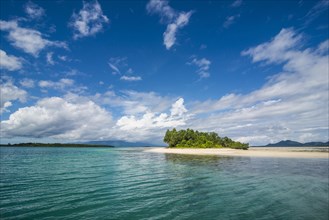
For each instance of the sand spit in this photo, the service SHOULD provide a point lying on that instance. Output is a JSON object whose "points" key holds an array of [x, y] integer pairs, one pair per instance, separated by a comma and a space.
{"points": [[284, 152]]}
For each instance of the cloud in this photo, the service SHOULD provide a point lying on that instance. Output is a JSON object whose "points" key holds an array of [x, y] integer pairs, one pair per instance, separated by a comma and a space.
{"points": [[178, 108], [28, 40], [9, 62], [150, 122], [9, 92], [27, 83], [33, 10], [114, 68], [277, 50], [230, 20], [236, 3], [293, 104], [62, 84], [131, 78], [50, 58], [56, 117], [89, 21], [116, 63], [63, 58], [323, 47], [133, 102], [204, 65], [319, 8], [74, 117], [162, 8], [174, 20], [130, 71], [169, 36]]}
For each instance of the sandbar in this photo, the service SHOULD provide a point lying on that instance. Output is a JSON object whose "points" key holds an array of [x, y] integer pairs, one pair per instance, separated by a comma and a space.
{"points": [[283, 152]]}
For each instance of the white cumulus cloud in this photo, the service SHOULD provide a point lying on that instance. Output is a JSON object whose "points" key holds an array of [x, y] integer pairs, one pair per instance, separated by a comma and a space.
{"points": [[293, 104], [174, 20], [277, 50], [27, 83], [62, 84], [89, 21], [323, 48], [50, 59], [178, 108], [162, 8], [29, 40], [203, 65], [9, 62], [33, 10], [74, 117], [153, 124], [131, 78], [8, 93], [169, 36], [58, 118]]}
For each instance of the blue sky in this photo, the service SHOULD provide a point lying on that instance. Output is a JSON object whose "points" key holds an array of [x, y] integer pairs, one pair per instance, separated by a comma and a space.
{"points": [[256, 71]]}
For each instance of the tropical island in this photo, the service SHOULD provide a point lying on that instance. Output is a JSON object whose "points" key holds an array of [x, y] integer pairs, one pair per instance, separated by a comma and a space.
{"points": [[53, 145], [196, 139], [192, 142]]}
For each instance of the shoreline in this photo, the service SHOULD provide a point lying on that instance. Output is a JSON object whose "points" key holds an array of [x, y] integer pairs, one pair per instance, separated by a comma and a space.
{"points": [[251, 152]]}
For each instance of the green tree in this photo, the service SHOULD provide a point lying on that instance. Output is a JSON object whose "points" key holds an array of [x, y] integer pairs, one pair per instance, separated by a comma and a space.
{"points": [[195, 139]]}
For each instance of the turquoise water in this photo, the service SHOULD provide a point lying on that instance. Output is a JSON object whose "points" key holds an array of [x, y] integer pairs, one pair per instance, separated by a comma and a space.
{"points": [[127, 183]]}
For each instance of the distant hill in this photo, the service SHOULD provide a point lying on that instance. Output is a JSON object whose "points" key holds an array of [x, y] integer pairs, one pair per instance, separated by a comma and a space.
{"points": [[289, 143], [119, 143]]}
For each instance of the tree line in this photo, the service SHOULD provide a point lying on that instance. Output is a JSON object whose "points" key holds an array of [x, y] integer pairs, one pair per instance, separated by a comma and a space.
{"points": [[196, 139], [53, 145]]}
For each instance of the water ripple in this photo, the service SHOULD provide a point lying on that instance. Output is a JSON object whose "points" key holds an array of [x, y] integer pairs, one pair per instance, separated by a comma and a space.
{"points": [[74, 183]]}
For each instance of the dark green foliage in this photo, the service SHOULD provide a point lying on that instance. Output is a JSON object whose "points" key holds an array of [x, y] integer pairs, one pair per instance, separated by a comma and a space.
{"points": [[195, 139]]}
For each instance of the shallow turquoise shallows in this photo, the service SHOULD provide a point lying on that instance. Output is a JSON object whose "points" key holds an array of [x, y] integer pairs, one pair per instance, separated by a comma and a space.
{"points": [[127, 183]]}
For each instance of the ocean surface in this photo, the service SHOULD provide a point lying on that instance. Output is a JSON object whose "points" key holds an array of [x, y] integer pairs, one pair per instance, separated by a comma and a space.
{"points": [[127, 183]]}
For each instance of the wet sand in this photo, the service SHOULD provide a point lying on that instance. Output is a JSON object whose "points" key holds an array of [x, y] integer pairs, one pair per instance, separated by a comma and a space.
{"points": [[286, 152]]}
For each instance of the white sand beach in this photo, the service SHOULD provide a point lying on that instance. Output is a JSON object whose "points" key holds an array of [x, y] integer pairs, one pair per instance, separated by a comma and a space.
{"points": [[285, 152]]}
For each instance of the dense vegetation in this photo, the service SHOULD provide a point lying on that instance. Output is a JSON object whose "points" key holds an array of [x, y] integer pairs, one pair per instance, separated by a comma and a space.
{"points": [[53, 145], [195, 139]]}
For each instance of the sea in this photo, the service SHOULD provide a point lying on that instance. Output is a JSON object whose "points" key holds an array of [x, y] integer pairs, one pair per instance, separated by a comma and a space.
{"points": [[129, 183]]}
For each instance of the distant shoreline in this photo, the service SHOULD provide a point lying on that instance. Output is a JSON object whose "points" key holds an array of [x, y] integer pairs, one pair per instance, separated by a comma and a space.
{"points": [[53, 145], [281, 152]]}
